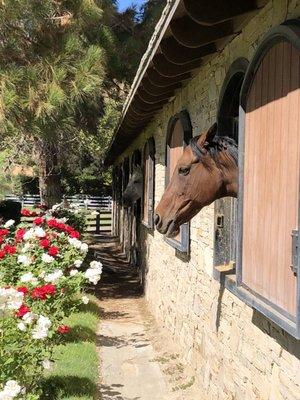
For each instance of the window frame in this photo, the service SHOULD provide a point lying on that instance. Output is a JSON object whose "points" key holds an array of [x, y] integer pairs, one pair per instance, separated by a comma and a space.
{"points": [[289, 31], [238, 67], [183, 116], [151, 182]]}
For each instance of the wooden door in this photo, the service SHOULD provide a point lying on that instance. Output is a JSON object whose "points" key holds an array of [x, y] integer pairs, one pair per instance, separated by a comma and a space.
{"points": [[175, 152], [271, 176]]}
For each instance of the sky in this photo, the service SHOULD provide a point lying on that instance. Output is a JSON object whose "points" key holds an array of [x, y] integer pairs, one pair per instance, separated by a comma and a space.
{"points": [[123, 4]]}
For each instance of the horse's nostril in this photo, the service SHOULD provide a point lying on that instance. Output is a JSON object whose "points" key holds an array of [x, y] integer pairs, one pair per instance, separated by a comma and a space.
{"points": [[156, 219]]}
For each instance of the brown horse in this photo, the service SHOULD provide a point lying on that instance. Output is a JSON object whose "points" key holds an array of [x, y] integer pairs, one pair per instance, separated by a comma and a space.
{"points": [[206, 171]]}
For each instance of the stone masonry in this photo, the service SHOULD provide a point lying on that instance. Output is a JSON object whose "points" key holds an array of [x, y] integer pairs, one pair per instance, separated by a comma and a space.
{"points": [[235, 352]]}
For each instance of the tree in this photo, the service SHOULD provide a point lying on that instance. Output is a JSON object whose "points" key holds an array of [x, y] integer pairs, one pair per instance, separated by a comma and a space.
{"points": [[49, 68], [65, 69]]}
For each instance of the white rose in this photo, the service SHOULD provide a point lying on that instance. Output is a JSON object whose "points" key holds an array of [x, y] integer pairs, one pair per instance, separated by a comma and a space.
{"points": [[56, 206], [21, 326], [92, 275], [10, 299], [73, 272], [77, 263], [75, 242], [47, 364], [26, 247], [84, 248], [96, 265], [40, 331], [12, 388], [9, 223], [39, 232], [29, 318], [29, 234], [46, 258], [85, 299], [5, 396], [23, 259], [54, 276], [28, 277]]}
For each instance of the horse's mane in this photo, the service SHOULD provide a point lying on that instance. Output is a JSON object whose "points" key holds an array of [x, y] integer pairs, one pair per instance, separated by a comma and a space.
{"points": [[217, 144]]}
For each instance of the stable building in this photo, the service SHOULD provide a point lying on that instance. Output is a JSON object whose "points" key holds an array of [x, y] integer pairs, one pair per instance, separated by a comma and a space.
{"points": [[227, 288]]}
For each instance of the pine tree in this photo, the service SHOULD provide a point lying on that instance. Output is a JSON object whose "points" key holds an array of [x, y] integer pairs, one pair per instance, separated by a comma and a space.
{"points": [[65, 69], [50, 66]]}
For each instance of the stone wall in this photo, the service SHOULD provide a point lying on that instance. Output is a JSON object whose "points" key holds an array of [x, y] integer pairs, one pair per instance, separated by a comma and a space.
{"points": [[235, 352]]}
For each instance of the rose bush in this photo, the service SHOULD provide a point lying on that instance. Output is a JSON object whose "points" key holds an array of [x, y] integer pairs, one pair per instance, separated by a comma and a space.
{"points": [[42, 281]]}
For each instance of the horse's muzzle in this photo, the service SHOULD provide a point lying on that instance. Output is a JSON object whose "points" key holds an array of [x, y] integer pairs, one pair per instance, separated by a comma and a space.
{"points": [[169, 229]]}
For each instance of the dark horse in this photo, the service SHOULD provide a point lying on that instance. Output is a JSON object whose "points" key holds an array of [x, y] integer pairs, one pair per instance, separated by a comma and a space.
{"points": [[206, 171], [134, 189]]}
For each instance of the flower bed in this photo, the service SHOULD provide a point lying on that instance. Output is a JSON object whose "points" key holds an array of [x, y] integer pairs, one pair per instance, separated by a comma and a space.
{"points": [[41, 282]]}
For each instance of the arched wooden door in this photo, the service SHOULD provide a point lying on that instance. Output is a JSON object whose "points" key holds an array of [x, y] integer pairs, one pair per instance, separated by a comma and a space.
{"points": [[269, 175]]}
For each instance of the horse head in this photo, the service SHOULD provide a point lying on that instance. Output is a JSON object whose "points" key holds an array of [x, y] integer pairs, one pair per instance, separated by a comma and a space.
{"points": [[134, 189], [206, 171]]}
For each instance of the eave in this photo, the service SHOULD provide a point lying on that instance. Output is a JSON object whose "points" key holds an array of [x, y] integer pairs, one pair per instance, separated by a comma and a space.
{"points": [[188, 34]]}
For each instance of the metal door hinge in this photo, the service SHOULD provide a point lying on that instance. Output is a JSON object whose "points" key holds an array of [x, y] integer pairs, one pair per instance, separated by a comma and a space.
{"points": [[294, 266]]}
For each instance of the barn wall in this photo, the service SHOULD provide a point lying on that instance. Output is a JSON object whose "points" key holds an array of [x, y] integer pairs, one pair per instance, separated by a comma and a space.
{"points": [[235, 352]]}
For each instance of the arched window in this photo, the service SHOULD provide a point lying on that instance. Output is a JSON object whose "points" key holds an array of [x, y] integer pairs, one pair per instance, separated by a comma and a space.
{"points": [[178, 136], [225, 208], [148, 191]]}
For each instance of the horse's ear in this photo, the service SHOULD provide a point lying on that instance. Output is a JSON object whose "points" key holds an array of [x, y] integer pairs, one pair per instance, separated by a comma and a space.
{"points": [[206, 138]]}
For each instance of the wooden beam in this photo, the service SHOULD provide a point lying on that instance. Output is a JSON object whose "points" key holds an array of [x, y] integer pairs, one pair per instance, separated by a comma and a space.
{"points": [[135, 114], [148, 98], [215, 11], [146, 107], [131, 124], [190, 34], [162, 81], [179, 54], [168, 69], [154, 90]]}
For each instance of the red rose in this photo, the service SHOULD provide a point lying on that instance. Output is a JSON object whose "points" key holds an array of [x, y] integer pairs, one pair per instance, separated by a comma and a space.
{"points": [[53, 251], [23, 289], [69, 229], [22, 311], [4, 232], [37, 293], [52, 223], [2, 254], [49, 289], [38, 221], [42, 292], [9, 249], [63, 329], [20, 234], [45, 243], [26, 212], [75, 234]]}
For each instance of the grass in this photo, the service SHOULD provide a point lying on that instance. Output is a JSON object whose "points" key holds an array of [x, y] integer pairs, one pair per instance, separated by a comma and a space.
{"points": [[75, 372]]}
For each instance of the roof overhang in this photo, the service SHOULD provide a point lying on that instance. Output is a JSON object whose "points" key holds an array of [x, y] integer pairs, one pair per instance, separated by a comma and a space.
{"points": [[187, 35]]}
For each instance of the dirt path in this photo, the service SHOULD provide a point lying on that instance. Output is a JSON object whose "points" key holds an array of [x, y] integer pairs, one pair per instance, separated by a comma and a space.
{"points": [[133, 365]]}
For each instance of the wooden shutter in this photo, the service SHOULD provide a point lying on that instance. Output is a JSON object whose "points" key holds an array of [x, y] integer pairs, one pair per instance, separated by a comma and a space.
{"points": [[149, 176], [270, 174], [175, 152], [178, 136], [146, 184]]}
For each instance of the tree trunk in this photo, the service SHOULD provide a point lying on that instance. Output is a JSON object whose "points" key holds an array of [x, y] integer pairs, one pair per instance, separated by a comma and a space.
{"points": [[49, 174]]}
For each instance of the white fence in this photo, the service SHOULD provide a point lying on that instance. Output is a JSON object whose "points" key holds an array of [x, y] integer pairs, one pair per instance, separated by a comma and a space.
{"points": [[82, 201]]}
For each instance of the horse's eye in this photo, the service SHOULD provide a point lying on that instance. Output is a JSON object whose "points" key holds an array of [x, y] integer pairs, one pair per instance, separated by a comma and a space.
{"points": [[184, 170]]}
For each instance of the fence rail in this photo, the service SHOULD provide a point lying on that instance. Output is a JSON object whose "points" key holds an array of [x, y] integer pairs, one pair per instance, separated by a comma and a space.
{"points": [[99, 222], [81, 201]]}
